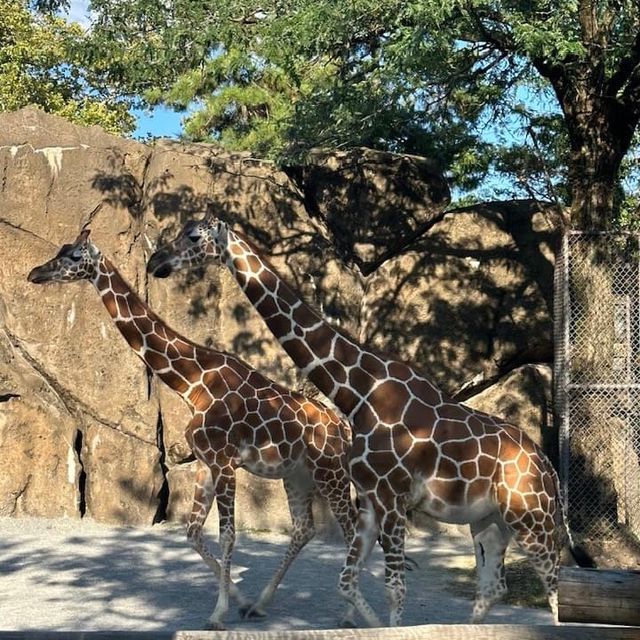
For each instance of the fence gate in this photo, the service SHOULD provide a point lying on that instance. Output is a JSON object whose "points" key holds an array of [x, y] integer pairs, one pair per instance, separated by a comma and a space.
{"points": [[597, 380]]}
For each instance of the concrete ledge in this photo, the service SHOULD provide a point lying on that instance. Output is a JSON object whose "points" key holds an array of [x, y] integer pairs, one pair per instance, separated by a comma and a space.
{"points": [[431, 632], [419, 632]]}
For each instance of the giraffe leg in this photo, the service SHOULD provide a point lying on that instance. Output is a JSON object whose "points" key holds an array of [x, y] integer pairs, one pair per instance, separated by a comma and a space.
{"points": [[359, 550], [203, 501], [490, 540], [334, 486], [225, 489], [392, 538], [299, 490], [539, 544]]}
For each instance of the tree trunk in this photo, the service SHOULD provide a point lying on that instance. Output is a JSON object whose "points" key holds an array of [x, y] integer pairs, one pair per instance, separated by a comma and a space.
{"points": [[600, 125], [597, 150]]}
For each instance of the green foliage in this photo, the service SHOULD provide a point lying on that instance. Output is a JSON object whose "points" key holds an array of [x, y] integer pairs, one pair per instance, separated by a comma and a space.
{"points": [[444, 78], [39, 65]]}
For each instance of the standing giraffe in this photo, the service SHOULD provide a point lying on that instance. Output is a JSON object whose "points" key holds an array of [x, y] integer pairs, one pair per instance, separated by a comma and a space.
{"points": [[413, 446], [240, 419]]}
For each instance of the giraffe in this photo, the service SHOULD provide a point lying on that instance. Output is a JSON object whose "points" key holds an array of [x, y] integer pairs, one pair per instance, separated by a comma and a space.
{"points": [[240, 419], [414, 447]]}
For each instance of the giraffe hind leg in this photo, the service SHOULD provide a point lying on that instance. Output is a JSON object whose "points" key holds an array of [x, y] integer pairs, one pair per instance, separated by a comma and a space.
{"points": [[490, 541], [299, 490], [538, 543], [359, 550]]}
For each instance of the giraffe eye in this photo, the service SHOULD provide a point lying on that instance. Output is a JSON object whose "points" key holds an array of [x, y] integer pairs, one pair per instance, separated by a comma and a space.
{"points": [[194, 238], [75, 257]]}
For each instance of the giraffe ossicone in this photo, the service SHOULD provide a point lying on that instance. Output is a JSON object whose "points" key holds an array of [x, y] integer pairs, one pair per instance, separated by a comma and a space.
{"points": [[413, 446], [240, 419]]}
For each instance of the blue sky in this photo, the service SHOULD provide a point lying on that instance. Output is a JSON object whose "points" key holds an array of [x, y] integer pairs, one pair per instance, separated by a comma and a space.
{"points": [[159, 122]]}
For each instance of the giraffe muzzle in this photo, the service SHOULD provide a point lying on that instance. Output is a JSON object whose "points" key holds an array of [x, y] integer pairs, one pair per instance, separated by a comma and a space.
{"points": [[39, 275], [159, 265]]}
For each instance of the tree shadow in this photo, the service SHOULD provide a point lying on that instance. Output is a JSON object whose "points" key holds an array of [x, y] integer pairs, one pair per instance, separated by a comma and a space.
{"points": [[99, 577], [457, 290]]}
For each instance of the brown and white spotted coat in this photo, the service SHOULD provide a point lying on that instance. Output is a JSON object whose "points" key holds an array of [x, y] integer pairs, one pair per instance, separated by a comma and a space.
{"points": [[414, 448], [241, 419]]}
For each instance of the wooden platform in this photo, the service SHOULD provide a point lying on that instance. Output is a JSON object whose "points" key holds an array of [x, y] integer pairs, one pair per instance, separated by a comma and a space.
{"points": [[420, 632], [603, 596]]}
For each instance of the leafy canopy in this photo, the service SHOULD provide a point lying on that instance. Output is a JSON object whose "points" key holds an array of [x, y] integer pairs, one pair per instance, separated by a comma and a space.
{"points": [[40, 64], [468, 82]]}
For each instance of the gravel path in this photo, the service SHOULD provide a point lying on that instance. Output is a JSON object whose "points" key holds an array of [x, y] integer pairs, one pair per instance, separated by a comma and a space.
{"points": [[80, 575]]}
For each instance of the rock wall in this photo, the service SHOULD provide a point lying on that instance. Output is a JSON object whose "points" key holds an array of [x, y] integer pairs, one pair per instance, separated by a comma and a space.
{"points": [[85, 431]]}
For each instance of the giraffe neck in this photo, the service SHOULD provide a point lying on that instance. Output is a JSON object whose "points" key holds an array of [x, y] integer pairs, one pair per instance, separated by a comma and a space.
{"points": [[168, 354], [341, 368]]}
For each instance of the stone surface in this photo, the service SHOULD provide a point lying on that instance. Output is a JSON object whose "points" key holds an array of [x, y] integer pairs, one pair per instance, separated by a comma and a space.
{"points": [[80, 421], [470, 299], [372, 202], [40, 463], [123, 476], [67, 341]]}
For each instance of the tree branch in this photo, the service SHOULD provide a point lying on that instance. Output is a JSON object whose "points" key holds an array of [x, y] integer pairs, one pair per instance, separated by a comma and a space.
{"points": [[630, 98], [625, 69], [498, 39], [588, 21]]}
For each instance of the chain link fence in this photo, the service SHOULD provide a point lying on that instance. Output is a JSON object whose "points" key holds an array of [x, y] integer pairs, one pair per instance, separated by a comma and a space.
{"points": [[597, 381]]}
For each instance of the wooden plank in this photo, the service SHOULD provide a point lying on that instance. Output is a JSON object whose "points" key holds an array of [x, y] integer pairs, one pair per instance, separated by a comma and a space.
{"points": [[86, 635], [421, 632], [599, 596], [430, 632]]}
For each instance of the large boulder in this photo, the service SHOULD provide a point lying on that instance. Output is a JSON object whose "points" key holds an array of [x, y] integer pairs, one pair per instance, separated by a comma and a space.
{"points": [[372, 202], [60, 339], [472, 298]]}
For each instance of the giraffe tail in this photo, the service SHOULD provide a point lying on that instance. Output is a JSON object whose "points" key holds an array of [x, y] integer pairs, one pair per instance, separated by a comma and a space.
{"points": [[578, 553]]}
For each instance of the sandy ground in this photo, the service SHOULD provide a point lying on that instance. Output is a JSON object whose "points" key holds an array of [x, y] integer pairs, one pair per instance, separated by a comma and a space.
{"points": [[80, 575]]}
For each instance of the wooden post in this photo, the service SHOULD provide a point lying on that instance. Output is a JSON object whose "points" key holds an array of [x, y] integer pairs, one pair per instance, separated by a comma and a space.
{"points": [[599, 595]]}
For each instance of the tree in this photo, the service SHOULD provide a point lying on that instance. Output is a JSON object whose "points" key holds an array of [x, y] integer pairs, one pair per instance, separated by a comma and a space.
{"points": [[424, 76], [39, 65]]}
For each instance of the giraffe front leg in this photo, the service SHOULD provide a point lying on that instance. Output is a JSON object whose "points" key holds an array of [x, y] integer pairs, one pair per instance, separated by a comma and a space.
{"points": [[299, 495], [333, 483], [204, 496], [359, 550], [225, 496]]}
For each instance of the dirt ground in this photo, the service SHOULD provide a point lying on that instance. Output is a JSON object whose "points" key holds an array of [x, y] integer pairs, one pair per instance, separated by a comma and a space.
{"points": [[83, 576]]}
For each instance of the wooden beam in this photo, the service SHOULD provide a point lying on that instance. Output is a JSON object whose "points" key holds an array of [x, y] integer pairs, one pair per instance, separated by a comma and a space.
{"points": [[86, 635], [430, 632], [599, 595], [421, 632]]}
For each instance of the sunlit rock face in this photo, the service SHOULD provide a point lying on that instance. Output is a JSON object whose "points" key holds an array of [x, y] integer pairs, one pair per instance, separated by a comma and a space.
{"points": [[85, 431]]}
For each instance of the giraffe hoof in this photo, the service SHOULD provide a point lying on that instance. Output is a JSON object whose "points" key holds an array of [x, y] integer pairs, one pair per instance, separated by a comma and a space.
{"points": [[214, 626], [347, 623], [250, 611]]}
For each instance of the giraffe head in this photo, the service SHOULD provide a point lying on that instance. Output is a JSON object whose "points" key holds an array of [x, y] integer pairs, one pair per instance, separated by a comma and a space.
{"points": [[198, 243], [76, 261]]}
